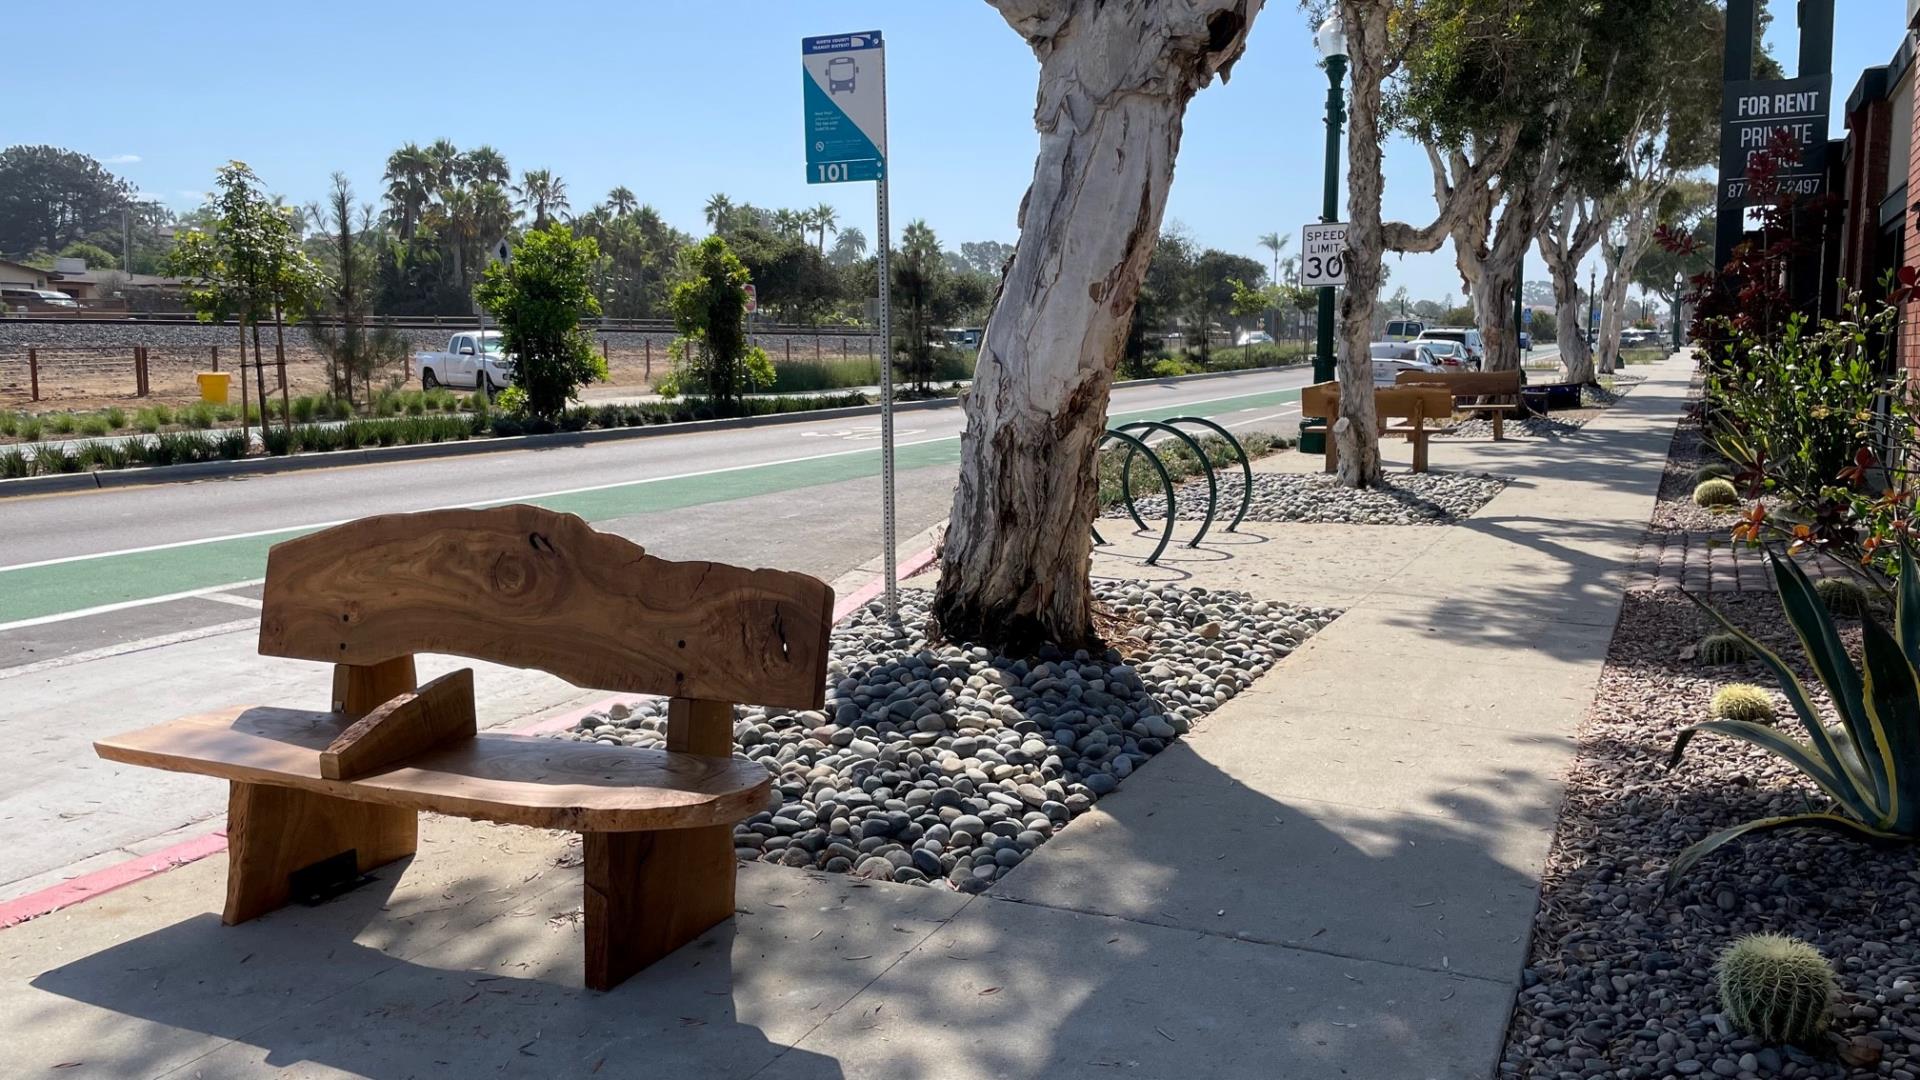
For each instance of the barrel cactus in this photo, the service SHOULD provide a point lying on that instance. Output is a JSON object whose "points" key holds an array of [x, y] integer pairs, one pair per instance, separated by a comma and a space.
{"points": [[1712, 470], [1741, 701], [1775, 988], [1842, 596], [1715, 492], [1717, 649]]}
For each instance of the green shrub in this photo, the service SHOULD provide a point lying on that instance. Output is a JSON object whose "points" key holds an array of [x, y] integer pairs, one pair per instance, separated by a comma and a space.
{"points": [[147, 420], [198, 416], [94, 426], [63, 423], [163, 414], [226, 414], [303, 409], [1842, 596], [1775, 988], [32, 428], [54, 459], [14, 464], [116, 417], [231, 445], [1715, 650], [1715, 493], [338, 408], [9, 422], [1741, 701]]}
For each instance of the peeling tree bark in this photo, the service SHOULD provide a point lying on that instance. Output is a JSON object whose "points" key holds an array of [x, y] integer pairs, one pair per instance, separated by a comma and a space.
{"points": [[1566, 238], [1115, 80]]}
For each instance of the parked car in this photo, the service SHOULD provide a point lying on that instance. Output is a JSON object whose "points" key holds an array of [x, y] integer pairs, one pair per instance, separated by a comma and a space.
{"points": [[1390, 358], [1466, 335], [1405, 329], [1253, 337], [31, 298], [473, 360], [1526, 341], [1450, 355]]}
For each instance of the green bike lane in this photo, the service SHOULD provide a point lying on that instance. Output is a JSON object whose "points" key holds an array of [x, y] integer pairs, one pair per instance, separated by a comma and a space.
{"points": [[100, 581]]}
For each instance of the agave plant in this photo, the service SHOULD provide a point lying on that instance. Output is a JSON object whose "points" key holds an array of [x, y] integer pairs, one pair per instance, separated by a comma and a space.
{"points": [[1870, 764]]}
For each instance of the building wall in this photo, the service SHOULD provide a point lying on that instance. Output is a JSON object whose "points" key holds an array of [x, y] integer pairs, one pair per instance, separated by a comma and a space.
{"points": [[1910, 253]]}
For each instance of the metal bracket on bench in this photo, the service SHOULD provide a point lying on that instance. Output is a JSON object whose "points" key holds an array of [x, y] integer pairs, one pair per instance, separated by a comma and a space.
{"points": [[316, 883]]}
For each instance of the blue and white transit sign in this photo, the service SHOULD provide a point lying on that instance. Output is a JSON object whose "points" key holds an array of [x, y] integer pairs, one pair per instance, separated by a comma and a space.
{"points": [[846, 107]]}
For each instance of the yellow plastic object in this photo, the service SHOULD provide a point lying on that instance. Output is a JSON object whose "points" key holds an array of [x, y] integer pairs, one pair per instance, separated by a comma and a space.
{"points": [[213, 386]]}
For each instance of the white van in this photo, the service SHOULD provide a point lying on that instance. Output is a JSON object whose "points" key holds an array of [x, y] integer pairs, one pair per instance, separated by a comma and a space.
{"points": [[1404, 329]]}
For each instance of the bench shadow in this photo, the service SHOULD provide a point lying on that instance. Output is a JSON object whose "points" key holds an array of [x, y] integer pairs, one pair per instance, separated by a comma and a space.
{"points": [[435, 985]]}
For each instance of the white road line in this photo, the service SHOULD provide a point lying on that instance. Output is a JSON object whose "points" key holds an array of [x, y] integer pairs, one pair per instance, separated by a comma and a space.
{"points": [[142, 645], [1258, 419], [502, 502], [103, 609], [236, 601]]}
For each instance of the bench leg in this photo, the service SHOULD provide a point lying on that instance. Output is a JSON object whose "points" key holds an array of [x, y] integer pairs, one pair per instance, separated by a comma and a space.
{"points": [[1499, 425], [1419, 440], [648, 893], [273, 831]]}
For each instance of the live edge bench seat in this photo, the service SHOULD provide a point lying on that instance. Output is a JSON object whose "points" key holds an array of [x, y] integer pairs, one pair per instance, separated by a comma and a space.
{"points": [[517, 779], [318, 798]]}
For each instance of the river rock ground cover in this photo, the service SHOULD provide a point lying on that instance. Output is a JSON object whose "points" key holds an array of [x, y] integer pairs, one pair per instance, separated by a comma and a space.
{"points": [[1619, 982], [1557, 425], [938, 763], [1404, 498]]}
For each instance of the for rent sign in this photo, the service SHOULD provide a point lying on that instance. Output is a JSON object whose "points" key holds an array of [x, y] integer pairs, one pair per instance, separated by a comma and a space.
{"points": [[1754, 116]]}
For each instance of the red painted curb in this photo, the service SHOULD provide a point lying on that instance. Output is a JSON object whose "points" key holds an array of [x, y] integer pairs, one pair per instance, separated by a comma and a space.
{"points": [[87, 886]]}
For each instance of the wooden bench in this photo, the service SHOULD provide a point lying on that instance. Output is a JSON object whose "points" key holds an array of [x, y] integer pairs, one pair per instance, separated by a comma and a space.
{"points": [[1474, 385], [319, 795], [1413, 404]]}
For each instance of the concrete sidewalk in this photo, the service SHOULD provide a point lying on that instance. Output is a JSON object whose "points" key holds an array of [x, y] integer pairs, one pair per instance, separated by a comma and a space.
{"points": [[1333, 876]]}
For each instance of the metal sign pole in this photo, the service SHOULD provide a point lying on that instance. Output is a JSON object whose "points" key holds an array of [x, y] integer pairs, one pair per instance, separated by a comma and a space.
{"points": [[886, 381]]}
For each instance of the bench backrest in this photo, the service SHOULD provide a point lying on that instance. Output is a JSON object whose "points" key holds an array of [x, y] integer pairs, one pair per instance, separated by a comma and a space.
{"points": [[1389, 403], [528, 587], [1464, 383]]}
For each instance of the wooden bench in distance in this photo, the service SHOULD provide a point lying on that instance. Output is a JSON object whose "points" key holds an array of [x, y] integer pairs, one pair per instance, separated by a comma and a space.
{"points": [[1474, 385], [524, 587], [1413, 404]]}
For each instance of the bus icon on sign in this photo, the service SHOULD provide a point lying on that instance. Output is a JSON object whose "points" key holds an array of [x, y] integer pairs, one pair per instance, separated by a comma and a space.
{"points": [[840, 73]]}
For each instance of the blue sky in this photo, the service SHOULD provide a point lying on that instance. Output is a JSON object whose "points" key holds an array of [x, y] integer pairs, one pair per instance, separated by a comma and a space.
{"points": [[679, 100]]}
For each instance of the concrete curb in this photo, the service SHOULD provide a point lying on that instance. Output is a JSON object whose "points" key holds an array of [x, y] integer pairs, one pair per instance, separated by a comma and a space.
{"points": [[209, 470]]}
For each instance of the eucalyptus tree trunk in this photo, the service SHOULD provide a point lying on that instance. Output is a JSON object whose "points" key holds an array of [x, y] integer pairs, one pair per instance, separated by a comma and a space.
{"points": [[1115, 80], [1564, 242], [1622, 260], [1356, 431]]}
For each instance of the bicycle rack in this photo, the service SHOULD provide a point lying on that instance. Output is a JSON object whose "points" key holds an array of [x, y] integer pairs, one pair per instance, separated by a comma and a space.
{"points": [[1166, 482], [1246, 465], [1126, 476]]}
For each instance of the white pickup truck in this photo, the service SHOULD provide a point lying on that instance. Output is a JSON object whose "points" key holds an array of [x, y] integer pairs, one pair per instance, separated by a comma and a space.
{"points": [[473, 360]]}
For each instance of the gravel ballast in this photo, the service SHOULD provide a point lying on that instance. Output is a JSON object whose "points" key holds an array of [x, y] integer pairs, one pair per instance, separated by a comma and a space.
{"points": [[1619, 982], [946, 764], [1405, 498]]}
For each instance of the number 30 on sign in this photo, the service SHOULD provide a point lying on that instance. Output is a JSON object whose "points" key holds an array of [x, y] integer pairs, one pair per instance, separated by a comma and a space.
{"points": [[1323, 255]]}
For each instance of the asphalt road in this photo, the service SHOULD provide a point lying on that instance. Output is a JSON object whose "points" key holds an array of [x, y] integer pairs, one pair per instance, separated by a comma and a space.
{"points": [[760, 493]]}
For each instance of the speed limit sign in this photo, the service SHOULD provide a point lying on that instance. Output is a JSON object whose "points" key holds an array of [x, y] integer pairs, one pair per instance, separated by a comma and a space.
{"points": [[1323, 255]]}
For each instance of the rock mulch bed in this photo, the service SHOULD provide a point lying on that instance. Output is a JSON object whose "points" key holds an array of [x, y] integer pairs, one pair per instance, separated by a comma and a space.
{"points": [[1406, 498], [947, 764], [1558, 425], [1674, 511], [1620, 982]]}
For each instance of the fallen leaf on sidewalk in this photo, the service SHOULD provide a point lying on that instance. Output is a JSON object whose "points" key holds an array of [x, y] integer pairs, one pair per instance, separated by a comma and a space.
{"points": [[989, 990]]}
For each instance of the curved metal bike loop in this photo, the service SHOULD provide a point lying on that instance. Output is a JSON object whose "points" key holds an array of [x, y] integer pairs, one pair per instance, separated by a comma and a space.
{"points": [[1166, 482], [1200, 455], [1246, 464]]}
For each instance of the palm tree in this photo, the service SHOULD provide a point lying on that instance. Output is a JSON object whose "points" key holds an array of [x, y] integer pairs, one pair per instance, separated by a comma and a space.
{"points": [[408, 175], [826, 219], [791, 222], [719, 210], [446, 162], [543, 193], [621, 201], [1275, 243], [485, 165], [463, 228], [849, 246]]}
